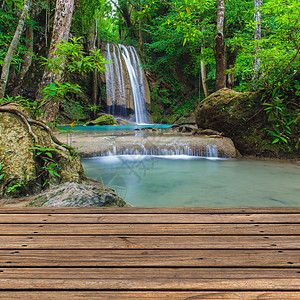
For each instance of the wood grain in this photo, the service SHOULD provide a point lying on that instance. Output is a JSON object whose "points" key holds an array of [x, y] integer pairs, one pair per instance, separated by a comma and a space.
{"points": [[149, 210], [150, 253], [150, 278], [150, 229], [150, 258], [148, 218], [150, 242], [151, 295]]}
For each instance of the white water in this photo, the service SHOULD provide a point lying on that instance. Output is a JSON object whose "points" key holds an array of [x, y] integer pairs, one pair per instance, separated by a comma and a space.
{"points": [[120, 79], [115, 91], [110, 82], [175, 149]]}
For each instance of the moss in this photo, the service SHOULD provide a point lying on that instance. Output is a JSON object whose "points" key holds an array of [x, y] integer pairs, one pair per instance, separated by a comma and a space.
{"points": [[103, 120], [238, 115]]}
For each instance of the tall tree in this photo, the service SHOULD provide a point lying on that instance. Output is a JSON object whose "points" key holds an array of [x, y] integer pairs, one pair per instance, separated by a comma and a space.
{"points": [[257, 36], [220, 49], [61, 29], [203, 76], [12, 48]]}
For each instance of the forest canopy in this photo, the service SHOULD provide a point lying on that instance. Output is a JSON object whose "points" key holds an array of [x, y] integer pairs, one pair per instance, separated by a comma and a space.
{"points": [[189, 50]]}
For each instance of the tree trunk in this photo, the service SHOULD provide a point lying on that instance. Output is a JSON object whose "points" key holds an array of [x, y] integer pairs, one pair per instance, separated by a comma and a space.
{"points": [[220, 50], [61, 29], [140, 30], [203, 76], [231, 56], [12, 48], [257, 37], [95, 74]]}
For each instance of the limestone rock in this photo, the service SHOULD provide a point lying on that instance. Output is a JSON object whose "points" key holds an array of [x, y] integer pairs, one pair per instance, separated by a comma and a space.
{"points": [[103, 120], [87, 194], [17, 160], [235, 115], [22, 169]]}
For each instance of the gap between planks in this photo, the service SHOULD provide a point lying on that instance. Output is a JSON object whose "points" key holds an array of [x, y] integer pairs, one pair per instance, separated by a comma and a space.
{"points": [[151, 210]]}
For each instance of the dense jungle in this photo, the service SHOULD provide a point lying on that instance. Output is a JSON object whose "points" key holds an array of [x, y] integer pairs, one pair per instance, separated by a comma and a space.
{"points": [[232, 67]]}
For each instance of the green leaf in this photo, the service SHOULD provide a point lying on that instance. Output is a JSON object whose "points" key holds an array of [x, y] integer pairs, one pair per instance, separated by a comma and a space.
{"points": [[52, 86]]}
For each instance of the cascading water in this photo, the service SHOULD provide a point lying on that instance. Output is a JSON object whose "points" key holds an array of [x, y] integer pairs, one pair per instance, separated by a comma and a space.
{"points": [[125, 70], [209, 151]]}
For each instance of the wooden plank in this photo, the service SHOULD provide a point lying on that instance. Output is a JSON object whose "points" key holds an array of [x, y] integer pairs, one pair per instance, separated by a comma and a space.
{"points": [[148, 218], [150, 210], [151, 295], [150, 229], [150, 242], [150, 258], [150, 278]]}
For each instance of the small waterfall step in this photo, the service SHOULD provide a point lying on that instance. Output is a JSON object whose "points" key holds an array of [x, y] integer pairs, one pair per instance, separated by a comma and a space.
{"points": [[155, 145]]}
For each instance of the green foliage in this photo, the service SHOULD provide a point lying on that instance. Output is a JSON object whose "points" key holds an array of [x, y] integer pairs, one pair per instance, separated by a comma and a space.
{"points": [[8, 23], [284, 124], [94, 107], [49, 166], [279, 46], [52, 170], [31, 106], [70, 57], [59, 91], [1, 172], [13, 188], [96, 13]]}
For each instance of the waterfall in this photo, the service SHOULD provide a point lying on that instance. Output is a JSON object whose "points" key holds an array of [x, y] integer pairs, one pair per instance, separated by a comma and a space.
{"points": [[210, 151], [123, 71]]}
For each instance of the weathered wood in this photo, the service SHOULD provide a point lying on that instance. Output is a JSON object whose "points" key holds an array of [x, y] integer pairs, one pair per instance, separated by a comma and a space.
{"points": [[150, 278], [151, 295], [150, 258], [149, 242], [150, 229], [150, 210], [148, 218], [150, 253]]}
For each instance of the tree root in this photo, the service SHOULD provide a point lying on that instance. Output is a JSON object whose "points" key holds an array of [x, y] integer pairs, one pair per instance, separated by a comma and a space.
{"points": [[26, 119]]}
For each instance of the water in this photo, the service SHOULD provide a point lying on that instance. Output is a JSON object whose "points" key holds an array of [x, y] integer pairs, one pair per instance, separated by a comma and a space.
{"points": [[117, 101], [111, 128], [149, 181], [138, 95], [166, 150]]}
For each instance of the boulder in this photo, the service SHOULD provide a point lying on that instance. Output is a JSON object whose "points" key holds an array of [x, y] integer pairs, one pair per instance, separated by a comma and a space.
{"points": [[22, 168], [71, 194], [103, 120], [17, 161], [237, 115]]}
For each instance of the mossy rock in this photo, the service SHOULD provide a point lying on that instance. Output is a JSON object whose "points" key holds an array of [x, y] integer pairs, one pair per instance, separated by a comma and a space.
{"points": [[103, 120], [238, 115], [17, 161], [21, 168]]}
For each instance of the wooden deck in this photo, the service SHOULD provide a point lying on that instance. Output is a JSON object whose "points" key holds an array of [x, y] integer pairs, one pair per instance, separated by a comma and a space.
{"points": [[150, 253]]}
